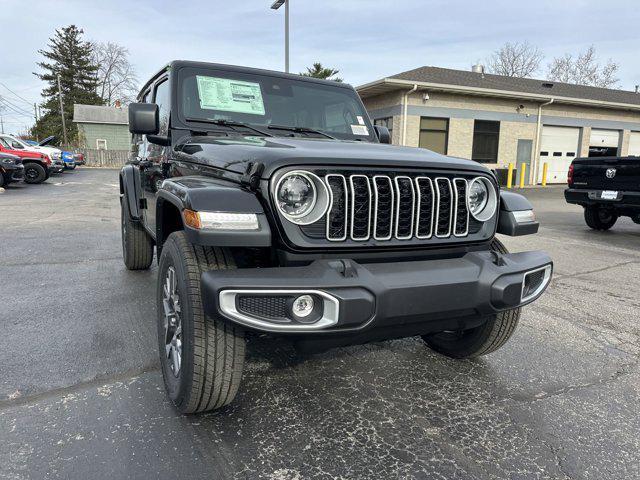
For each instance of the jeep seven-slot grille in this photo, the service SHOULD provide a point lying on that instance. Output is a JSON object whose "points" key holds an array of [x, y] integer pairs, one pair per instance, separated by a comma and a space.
{"points": [[385, 207]]}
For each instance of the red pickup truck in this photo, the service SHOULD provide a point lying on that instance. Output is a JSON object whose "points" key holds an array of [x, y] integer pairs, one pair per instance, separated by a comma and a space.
{"points": [[37, 166]]}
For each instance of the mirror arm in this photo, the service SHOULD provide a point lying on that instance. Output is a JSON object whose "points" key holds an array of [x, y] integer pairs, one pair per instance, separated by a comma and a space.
{"points": [[162, 140]]}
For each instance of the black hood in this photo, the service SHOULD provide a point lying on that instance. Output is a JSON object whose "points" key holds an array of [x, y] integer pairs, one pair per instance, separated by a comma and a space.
{"points": [[235, 153], [47, 141]]}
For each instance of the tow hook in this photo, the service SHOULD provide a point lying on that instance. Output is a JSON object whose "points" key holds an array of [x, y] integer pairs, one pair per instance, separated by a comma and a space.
{"points": [[345, 268]]}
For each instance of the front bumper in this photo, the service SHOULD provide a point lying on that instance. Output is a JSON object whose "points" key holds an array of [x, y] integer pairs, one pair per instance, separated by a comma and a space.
{"points": [[431, 295], [13, 173]]}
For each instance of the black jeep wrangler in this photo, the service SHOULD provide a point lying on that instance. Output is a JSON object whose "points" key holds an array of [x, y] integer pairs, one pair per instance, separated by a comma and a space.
{"points": [[275, 207]]}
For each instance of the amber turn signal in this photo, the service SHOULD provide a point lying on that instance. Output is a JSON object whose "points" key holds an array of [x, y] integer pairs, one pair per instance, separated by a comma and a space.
{"points": [[192, 219]]}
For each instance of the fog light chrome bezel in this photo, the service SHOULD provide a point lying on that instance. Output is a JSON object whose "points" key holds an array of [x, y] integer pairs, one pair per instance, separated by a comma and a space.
{"points": [[330, 310]]}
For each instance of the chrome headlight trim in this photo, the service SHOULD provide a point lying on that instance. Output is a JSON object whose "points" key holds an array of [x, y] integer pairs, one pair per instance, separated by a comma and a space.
{"points": [[321, 202], [491, 206]]}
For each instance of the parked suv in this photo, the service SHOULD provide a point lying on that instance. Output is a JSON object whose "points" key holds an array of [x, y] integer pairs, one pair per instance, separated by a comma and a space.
{"points": [[276, 207], [37, 166], [11, 169]]}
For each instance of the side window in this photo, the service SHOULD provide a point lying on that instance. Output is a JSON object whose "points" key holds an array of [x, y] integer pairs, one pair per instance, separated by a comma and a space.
{"points": [[162, 98]]}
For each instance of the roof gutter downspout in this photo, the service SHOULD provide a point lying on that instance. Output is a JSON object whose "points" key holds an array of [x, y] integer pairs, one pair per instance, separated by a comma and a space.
{"points": [[405, 109], [533, 175]]}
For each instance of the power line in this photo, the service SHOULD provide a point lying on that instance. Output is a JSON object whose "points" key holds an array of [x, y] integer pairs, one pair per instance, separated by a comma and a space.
{"points": [[14, 93], [14, 107]]}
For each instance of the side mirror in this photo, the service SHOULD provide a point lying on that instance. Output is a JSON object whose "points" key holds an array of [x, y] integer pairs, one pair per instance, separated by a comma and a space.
{"points": [[144, 118], [383, 133]]}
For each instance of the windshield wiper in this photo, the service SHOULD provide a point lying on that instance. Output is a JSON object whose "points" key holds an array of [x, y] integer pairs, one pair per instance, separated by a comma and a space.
{"points": [[229, 123], [300, 130]]}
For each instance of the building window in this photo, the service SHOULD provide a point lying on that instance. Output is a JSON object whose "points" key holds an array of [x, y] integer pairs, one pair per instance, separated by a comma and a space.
{"points": [[101, 144], [486, 136], [434, 133], [385, 122]]}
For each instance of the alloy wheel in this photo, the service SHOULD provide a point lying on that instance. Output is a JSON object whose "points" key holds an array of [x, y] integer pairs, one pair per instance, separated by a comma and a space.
{"points": [[172, 322]]}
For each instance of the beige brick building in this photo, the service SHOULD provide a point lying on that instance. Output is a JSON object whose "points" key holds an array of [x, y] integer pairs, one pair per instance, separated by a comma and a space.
{"points": [[499, 120]]}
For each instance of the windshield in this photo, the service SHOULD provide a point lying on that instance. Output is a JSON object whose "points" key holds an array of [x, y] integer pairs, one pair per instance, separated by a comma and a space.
{"points": [[270, 101], [14, 140]]}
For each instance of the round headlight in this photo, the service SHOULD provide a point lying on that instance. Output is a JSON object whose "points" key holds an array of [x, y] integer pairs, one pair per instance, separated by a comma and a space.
{"points": [[481, 199], [296, 195], [301, 197]]}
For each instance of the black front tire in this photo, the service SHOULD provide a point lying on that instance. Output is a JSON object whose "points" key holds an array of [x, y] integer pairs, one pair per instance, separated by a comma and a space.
{"points": [[212, 350], [599, 218], [34, 173], [481, 340], [137, 245], [2, 182]]}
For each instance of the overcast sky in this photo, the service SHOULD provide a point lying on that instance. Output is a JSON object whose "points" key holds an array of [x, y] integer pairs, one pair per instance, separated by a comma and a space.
{"points": [[364, 39]]}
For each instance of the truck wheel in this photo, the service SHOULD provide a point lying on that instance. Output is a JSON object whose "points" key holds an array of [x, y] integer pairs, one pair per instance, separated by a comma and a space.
{"points": [[137, 246], [202, 357], [599, 218], [481, 340], [34, 173], [1, 180]]}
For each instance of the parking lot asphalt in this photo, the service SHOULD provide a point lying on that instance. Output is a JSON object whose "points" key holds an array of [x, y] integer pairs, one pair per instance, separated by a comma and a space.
{"points": [[81, 393]]}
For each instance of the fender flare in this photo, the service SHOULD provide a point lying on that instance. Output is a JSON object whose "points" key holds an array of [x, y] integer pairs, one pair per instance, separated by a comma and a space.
{"points": [[200, 193], [130, 190]]}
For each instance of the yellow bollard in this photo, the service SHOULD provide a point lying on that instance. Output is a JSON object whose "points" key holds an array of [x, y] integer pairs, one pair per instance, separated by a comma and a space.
{"points": [[522, 173], [510, 176], [545, 167]]}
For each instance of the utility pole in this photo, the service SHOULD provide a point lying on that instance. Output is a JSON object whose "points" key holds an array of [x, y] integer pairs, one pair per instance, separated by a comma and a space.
{"points": [[64, 126], [2, 122], [35, 114]]}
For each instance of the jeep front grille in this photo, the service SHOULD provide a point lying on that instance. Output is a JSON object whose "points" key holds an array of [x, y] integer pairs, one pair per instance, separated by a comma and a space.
{"points": [[385, 207]]}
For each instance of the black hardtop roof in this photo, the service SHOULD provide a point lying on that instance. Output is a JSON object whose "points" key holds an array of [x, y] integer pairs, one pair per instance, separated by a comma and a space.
{"points": [[176, 64]]}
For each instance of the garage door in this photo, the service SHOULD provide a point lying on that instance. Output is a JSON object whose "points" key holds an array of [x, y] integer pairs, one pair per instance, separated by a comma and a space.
{"points": [[604, 143], [558, 147], [634, 144]]}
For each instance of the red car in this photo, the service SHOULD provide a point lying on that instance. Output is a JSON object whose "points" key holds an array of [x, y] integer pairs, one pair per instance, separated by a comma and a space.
{"points": [[37, 166]]}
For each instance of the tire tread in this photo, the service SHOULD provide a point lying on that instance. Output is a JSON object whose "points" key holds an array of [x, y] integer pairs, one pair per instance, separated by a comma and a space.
{"points": [[218, 346], [139, 245]]}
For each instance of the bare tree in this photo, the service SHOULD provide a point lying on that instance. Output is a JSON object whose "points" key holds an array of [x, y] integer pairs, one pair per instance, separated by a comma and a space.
{"points": [[117, 79], [584, 69], [519, 59]]}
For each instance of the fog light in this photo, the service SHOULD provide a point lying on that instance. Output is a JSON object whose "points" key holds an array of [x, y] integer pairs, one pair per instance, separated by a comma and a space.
{"points": [[303, 306]]}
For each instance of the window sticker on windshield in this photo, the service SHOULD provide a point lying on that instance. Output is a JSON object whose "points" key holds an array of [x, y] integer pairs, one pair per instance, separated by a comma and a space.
{"points": [[359, 130], [230, 95], [360, 119]]}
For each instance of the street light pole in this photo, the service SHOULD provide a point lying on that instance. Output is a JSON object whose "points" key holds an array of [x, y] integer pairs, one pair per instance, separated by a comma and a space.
{"points": [[275, 6], [286, 36]]}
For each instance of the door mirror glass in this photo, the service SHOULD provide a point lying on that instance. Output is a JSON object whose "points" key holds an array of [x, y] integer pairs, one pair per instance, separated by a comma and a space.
{"points": [[143, 118], [17, 145]]}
